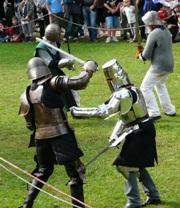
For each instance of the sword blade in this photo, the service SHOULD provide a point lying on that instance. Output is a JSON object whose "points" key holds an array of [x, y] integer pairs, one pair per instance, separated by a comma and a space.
{"points": [[96, 156], [80, 61]]}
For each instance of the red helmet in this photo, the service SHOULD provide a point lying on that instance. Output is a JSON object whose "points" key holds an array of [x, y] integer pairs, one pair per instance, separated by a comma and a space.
{"points": [[163, 14]]}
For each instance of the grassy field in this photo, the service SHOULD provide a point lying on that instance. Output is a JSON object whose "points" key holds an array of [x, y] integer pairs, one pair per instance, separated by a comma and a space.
{"points": [[104, 186]]}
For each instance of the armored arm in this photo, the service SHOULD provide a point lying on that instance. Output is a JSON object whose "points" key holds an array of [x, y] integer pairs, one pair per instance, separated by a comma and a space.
{"points": [[47, 58], [50, 62], [66, 63], [101, 111], [78, 112], [120, 101], [77, 82], [117, 132]]}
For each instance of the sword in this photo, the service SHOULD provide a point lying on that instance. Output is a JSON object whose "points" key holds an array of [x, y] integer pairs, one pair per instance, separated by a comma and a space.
{"points": [[80, 61], [96, 156], [113, 143]]}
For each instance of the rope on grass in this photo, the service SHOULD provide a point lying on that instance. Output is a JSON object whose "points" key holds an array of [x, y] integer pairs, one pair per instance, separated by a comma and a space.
{"points": [[44, 183], [45, 192]]}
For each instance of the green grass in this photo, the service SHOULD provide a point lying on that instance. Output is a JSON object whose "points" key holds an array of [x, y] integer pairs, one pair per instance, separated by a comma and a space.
{"points": [[104, 185]]}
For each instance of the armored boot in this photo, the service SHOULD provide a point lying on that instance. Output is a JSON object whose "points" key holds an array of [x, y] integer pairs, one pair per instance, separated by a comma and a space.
{"points": [[150, 189], [132, 192], [27, 205], [32, 194], [75, 171], [77, 192]]}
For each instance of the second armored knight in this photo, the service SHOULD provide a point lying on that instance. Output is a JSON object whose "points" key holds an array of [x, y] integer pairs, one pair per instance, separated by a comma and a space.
{"points": [[139, 148]]}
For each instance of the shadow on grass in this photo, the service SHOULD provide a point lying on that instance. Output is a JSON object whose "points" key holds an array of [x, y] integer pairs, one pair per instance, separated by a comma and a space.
{"points": [[172, 204]]}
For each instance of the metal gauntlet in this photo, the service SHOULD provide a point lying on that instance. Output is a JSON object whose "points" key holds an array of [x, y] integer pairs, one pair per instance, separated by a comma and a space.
{"points": [[66, 63], [90, 66], [117, 131]]}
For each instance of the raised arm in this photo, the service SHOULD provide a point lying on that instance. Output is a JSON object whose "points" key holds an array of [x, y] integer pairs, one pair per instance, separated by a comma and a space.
{"points": [[61, 83]]}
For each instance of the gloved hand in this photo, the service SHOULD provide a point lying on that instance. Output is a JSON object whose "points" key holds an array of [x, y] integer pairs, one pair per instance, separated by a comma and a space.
{"points": [[68, 63], [102, 111], [115, 141], [90, 66]]}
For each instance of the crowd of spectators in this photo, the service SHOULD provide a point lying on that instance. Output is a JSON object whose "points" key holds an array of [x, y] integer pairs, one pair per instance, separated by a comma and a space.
{"points": [[20, 19]]}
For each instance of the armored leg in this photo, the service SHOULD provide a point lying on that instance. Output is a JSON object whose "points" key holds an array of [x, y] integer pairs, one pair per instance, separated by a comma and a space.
{"points": [[131, 191], [43, 174], [76, 188], [75, 172], [148, 184], [131, 187], [32, 194]]}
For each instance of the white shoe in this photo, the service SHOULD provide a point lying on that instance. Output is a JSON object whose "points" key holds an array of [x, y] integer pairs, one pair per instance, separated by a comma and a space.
{"points": [[114, 39], [108, 39]]}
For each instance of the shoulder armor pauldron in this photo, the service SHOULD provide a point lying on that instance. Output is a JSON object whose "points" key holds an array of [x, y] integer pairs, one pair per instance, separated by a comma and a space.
{"points": [[126, 100], [24, 104]]}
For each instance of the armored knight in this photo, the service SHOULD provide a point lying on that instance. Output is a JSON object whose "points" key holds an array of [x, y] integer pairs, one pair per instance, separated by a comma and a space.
{"points": [[43, 109], [55, 61], [139, 147]]}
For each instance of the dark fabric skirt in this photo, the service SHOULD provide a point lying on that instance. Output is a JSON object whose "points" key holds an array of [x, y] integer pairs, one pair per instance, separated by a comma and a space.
{"points": [[61, 150], [139, 148]]}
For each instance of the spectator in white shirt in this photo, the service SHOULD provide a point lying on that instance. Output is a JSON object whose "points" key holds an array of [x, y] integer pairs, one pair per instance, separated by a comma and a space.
{"points": [[129, 11]]}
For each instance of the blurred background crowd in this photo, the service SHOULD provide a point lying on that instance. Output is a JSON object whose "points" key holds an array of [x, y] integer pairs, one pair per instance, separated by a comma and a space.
{"points": [[22, 20]]}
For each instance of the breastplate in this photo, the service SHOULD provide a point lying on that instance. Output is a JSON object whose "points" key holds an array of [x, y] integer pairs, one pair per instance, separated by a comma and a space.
{"points": [[49, 121], [138, 111]]}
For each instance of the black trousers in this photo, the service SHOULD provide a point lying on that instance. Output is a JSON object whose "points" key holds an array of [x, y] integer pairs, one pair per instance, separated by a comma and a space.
{"points": [[62, 150]]}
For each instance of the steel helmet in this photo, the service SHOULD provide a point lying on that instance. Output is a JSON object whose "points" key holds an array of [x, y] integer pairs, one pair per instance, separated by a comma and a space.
{"points": [[52, 33], [152, 18], [115, 75], [38, 70]]}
